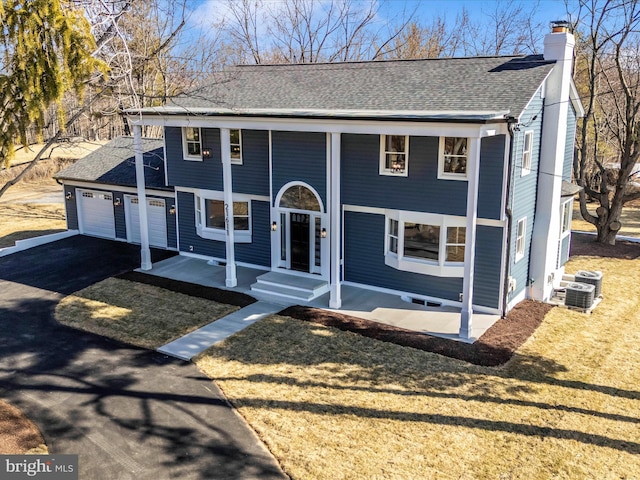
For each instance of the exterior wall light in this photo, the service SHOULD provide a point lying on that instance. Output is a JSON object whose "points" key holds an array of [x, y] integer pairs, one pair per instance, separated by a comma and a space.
{"points": [[206, 153], [69, 196], [116, 202], [323, 233], [274, 226], [172, 210]]}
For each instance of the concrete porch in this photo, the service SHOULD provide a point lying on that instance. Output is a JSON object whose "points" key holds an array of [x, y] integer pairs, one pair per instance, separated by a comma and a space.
{"points": [[358, 302]]}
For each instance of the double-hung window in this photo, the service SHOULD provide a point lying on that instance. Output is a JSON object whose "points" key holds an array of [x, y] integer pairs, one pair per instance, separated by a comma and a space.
{"points": [[211, 219], [527, 148], [235, 141], [425, 243], [452, 158], [192, 143], [521, 235], [394, 155]]}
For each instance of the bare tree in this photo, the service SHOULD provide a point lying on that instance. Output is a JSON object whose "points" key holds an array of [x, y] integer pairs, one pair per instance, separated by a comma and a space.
{"points": [[607, 69], [309, 31]]}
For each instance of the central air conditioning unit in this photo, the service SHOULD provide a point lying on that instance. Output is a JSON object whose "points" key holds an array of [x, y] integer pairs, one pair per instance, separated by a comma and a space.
{"points": [[579, 295], [591, 277]]}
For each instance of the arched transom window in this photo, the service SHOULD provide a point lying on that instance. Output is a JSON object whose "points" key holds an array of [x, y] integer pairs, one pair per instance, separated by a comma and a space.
{"points": [[300, 198]]}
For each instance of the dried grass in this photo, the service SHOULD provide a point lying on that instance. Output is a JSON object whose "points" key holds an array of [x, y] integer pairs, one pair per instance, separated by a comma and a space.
{"points": [[44, 169], [23, 220], [630, 220], [136, 313], [332, 404]]}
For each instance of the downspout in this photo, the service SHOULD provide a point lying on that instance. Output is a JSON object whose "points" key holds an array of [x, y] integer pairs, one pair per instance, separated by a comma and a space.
{"points": [[511, 121]]}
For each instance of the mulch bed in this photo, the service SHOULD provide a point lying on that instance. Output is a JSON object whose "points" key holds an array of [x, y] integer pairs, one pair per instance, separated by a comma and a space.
{"points": [[586, 245], [494, 348], [17, 433], [209, 293]]}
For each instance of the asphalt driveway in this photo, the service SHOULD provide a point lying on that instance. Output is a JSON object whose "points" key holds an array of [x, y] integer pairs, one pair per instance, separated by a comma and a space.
{"points": [[129, 413]]}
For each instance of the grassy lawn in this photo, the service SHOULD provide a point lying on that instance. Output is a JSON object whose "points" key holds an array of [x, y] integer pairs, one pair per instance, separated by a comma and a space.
{"points": [[332, 404], [23, 220], [136, 313]]}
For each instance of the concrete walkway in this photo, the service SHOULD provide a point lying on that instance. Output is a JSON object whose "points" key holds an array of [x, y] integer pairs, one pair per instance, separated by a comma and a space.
{"points": [[187, 347]]}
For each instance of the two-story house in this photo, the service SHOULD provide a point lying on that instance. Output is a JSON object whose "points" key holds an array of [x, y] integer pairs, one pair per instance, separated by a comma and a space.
{"points": [[441, 180]]}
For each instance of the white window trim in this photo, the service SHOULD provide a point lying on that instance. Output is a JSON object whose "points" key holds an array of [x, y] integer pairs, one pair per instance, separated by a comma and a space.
{"points": [[520, 252], [526, 167], [399, 261], [442, 175], [565, 218], [219, 234], [185, 151], [383, 158], [236, 161]]}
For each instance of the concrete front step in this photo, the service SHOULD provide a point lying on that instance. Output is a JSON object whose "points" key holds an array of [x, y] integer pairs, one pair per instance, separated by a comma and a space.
{"points": [[290, 286]]}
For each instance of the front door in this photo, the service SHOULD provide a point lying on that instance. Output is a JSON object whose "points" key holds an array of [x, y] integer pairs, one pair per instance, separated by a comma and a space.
{"points": [[300, 242]]}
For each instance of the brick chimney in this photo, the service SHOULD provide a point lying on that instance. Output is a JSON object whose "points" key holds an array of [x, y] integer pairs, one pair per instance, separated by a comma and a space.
{"points": [[558, 47]]}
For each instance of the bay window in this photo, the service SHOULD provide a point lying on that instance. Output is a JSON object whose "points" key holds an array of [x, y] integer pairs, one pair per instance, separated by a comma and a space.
{"points": [[425, 243], [211, 223]]}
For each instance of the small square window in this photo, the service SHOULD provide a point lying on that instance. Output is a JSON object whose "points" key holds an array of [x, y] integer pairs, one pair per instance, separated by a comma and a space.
{"points": [[452, 158], [394, 155], [527, 148]]}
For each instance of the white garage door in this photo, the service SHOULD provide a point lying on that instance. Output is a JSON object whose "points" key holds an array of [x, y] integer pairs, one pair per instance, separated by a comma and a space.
{"points": [[156, 214], [96, 213]]}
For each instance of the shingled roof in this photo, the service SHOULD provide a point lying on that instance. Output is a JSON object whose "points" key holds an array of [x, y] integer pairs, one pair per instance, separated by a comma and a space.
{"points": [[465, 88], [114, 164]]}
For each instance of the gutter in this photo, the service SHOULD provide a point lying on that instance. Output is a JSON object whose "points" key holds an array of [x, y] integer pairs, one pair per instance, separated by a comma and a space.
{"points": [[511, 121]]}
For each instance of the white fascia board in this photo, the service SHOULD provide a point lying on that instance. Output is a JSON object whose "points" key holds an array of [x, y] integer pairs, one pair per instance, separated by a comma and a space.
{"points": [[574, 96], [219, 194], [471, 115], [337, 125], [542, 86], [486, 222], [119, 188]]}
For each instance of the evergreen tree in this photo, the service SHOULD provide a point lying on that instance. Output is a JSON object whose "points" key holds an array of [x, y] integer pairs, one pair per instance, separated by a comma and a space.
{"points": [[46, 48]]}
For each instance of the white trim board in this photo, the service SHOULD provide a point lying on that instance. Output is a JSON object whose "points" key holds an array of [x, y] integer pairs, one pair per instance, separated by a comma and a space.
{"points": [[118, 188]]}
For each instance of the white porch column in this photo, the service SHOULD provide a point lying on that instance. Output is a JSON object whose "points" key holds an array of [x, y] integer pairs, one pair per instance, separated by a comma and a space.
{"points": [[225, 147], [473, 170], [335, 219], [145, 252]]}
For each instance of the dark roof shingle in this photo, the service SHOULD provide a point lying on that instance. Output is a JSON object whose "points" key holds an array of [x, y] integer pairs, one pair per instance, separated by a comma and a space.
{"points": [[452, 86], [114, 163]]}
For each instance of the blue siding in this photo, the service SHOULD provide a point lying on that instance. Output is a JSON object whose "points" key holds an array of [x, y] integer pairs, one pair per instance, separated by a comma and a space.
{"points": [[565, 245], [364, 261], [252, 177], [71, 207], [189, 239], [491, 177], [205, 174], [486, 282], [258, 252], [569, 144], [300, 156], [118, 212], [172, 233], [421, 190], [524, 188]]}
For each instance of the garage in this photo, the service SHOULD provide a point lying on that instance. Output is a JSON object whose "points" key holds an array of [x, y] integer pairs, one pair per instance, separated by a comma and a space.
{"points": [[157, 217], [95, 213]]}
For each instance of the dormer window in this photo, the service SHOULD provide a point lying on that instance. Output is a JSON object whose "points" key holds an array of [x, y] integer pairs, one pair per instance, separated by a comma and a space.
{"points": [[394, 155]]}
